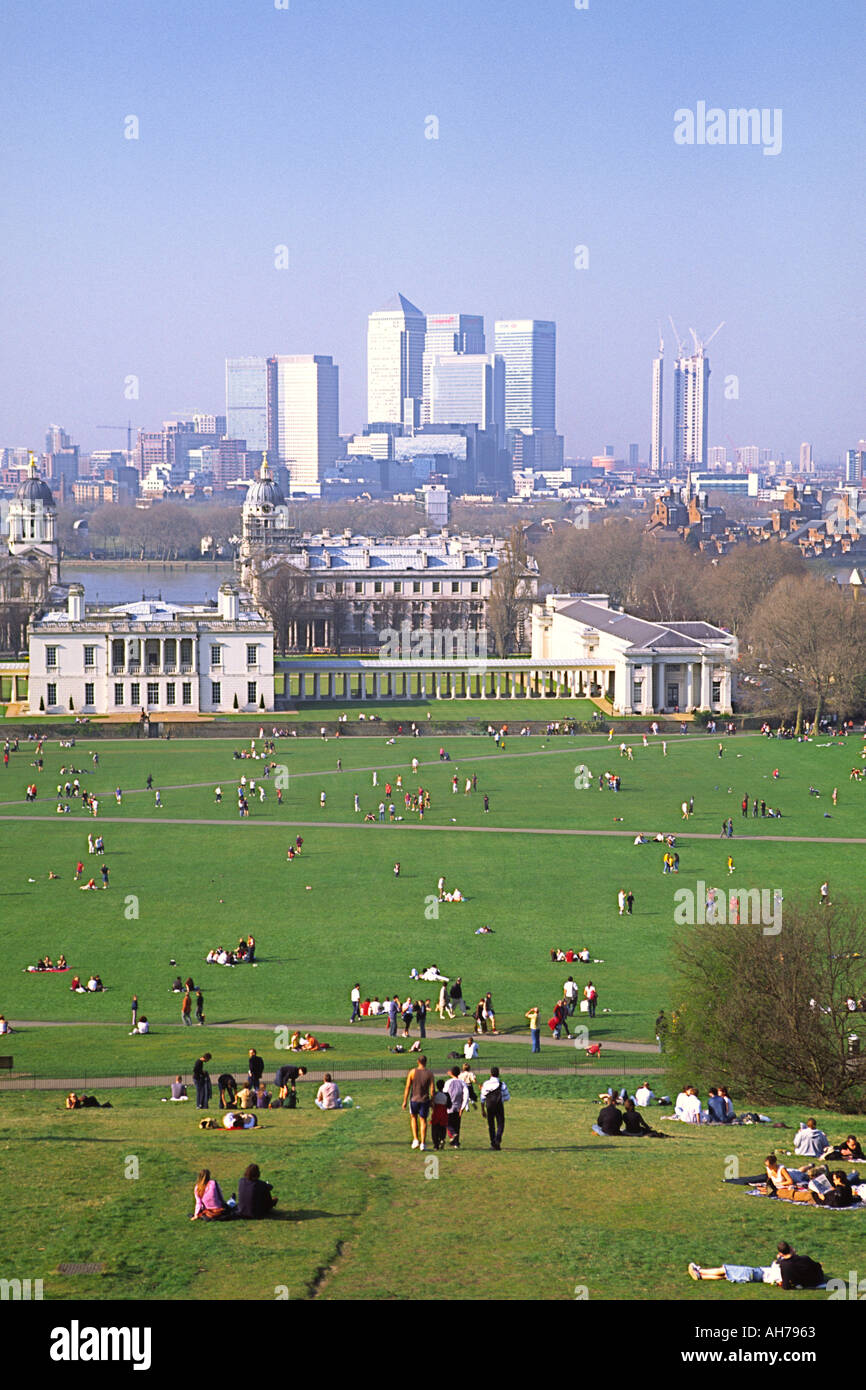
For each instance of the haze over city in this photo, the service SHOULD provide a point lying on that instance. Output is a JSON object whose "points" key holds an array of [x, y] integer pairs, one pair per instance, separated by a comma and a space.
{"points": [[310, 128]]}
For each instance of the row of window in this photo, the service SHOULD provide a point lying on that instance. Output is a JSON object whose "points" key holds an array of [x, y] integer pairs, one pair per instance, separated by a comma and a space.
{"points": [[118, 655], [396, 587], [152, 691]]}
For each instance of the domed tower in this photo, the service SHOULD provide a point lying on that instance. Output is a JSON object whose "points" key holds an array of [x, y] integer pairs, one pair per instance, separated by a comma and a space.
{"points": [[266, 529], [33, 522]]}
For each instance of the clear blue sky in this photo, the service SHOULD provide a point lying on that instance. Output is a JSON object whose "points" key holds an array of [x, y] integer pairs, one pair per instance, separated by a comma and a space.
{"points": [[305, 126]]}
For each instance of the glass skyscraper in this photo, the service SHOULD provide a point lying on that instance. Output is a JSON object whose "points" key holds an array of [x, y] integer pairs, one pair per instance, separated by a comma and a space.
{"points": [[395, 349], [528, 347], [448, 333], [247, 400]]}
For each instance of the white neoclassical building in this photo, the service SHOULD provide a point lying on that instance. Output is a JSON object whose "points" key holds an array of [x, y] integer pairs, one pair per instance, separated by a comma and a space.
{"points": [[640, 667], [162, 658]]}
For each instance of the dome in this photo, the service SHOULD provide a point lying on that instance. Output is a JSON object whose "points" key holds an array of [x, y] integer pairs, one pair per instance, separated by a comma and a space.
{"points": [[265, 492], [33, 489]]}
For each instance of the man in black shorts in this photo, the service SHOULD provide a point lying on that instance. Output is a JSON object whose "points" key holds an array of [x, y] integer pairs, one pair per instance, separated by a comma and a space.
{"points": [[418, 1092], [286, 1079]]}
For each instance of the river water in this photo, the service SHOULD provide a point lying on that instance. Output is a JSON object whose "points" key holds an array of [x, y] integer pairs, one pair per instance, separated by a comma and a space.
{"points": [[189, 582]]}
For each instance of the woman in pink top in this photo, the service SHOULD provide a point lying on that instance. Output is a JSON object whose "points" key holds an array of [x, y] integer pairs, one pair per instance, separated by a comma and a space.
{"points": [[209, 1201]]}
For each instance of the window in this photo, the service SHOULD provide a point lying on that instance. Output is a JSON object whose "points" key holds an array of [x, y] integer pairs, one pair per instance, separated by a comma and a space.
{"points": [[215, 692], [118, 694], [416, 586], [118, 653], [359, 586], [338, 587], [52, 694], [637, 697], [135, 693], [51, 659], [216, 656], [153, 692], [169, 693], [186, 692], [455, 586], [320, 588], [89, 656], [474, 587], [377, 586], [252, 654], [89, 692], [717, 693], [186, 652], [437, 586], [398, 586], [251, 693]]}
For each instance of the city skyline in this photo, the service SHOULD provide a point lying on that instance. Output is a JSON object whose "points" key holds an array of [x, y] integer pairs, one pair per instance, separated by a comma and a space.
{"points": [[552, 198]]}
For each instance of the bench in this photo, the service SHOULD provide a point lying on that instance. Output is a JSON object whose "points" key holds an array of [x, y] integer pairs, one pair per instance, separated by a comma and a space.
{"points": [[5, 1063]]}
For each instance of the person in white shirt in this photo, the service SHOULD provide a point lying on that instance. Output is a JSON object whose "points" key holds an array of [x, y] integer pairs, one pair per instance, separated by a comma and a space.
{"points": [[569, 991], [458, 1103], [494, 1094], [810, 1141], [470, 1049], [328, 1094], [688, 1106], [356, 1002], [643, 1095]]}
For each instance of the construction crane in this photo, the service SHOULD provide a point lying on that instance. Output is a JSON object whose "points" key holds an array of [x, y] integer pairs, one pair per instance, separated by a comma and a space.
{"points": [[680, 344], [128, 428], [701, 347]]}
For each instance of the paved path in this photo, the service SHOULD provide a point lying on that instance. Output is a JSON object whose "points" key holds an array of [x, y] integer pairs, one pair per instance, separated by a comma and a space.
{"points": [[436, 1035]]}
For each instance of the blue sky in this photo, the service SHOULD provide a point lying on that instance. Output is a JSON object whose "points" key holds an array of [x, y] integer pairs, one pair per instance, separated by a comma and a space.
{"points": [[306, 127]]}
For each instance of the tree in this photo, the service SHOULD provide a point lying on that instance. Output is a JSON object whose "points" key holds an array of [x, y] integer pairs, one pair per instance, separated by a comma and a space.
{"points": [[805, 644], [770, 1010], [734, 587], [509, 600], [284, 596]]}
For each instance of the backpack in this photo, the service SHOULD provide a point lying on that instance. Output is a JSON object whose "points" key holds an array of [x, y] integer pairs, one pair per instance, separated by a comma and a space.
{"points": [[291, 1101]]}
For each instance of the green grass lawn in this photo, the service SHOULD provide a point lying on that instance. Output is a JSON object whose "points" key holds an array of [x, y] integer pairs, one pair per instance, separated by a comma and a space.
{"points": [[542, 868], [363, 1217]]}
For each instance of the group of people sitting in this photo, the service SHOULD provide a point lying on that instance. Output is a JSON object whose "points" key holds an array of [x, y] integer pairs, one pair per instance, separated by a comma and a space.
{"points": [[255, 1199], [613, 1122], [719, 1110], [570, 955], [46, 963], [306, 1042], [815, 1184], [243, 954], [94, 985]]}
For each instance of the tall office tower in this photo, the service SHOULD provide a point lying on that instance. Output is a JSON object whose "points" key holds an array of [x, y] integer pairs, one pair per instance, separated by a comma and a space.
{"points": [[691, 409], [395, 352], [529, 349], [56, 440], [303, 426], [463, 333], [467, 389], [806, 463], [658, 410], [855, 463], [247, 400], [633, 456]]}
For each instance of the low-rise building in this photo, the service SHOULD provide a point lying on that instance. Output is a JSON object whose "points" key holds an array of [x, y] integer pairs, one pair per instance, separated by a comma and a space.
{"points": [[155, 657]]}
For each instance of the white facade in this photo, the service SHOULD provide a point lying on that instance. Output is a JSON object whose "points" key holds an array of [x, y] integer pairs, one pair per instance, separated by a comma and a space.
{"points": [[33, 522], [395, 351], [640, 667], [467, 389], [162, 658], [448, 334], [691, 409], [657, 435], [307, 433]]}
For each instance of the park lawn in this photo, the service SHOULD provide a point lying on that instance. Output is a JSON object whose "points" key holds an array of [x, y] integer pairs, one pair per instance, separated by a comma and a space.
{"points": [[179, 889], [363, 1217]]}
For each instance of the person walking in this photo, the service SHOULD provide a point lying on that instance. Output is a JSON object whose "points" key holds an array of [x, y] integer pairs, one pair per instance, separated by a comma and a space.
{"points": [[456, 993], [199, 1008], [186, 1009], [534, 1030], [421, 1015], [629, 902], [494, 1094], [458, 1104], [590, 994], [393, 1007], [134, 1010], [201, 1079], [355, 997], [420, 1085]]}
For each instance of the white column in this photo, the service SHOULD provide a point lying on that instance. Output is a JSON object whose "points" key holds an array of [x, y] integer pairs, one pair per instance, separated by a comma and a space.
{"points": [[317, 691], [726, 690], [511, 677], [663, 694], [706, 686], [377, 686], [690, 684], [497, 684]]}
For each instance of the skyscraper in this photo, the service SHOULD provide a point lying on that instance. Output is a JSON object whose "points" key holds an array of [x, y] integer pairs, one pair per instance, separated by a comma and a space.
{"points": [[395, 352], [529, 349], [448, 333], [806, 463], [247, 400], [656, 435], [303, 403], [467, 389], [691, 409]]}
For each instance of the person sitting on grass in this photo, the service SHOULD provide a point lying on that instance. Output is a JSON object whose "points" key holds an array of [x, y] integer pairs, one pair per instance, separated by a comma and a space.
{"points": [[243, 1099], [610, 1120], [255, 1199], [210, 1205], [848, 1149], [4, 1026], [633, 1122], [841, 1193], [72, 1101], [790, 1270], [780, 1181], [142, 1027], [178, 1090], [328, 1094]]}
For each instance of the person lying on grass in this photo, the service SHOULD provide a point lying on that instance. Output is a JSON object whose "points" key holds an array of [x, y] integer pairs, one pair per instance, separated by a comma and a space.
{"points": [[790, 1270]]}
